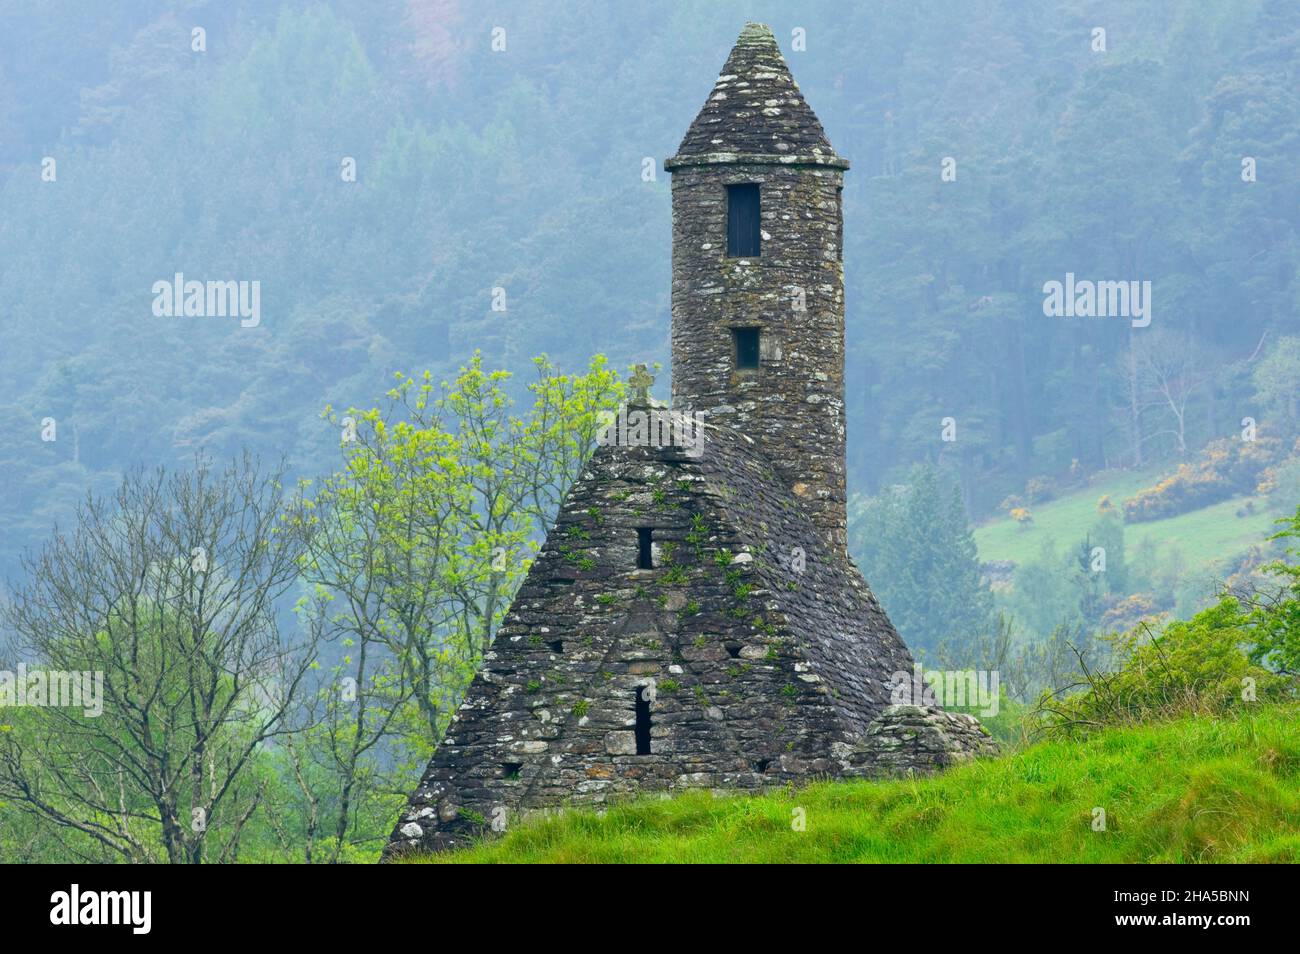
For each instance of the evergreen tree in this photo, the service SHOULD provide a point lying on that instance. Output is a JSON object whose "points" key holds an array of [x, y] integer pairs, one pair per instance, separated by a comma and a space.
{"points": [[915, 546]]}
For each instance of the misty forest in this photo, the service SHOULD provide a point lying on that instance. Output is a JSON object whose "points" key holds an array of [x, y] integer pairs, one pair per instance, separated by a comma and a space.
{"points": [[287, 533]]}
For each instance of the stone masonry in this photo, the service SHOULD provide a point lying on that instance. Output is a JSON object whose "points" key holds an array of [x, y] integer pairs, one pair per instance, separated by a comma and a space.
{"points": [[692, 619], [756, 128]]}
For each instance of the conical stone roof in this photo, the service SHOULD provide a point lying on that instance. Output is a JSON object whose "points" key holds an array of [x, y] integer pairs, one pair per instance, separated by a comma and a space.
{"points": [[755, 113]]}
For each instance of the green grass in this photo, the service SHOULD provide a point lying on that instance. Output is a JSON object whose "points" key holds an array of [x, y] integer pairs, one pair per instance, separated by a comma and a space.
{"points": [[1197, 790], [1203, 536]]}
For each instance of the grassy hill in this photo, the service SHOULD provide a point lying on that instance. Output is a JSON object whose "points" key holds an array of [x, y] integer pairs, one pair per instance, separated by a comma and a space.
{"points": [[1197, 790], [1203, 536]]}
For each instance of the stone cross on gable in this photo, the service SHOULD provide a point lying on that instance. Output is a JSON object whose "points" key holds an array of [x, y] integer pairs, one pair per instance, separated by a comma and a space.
{"points": [[641, 380]]}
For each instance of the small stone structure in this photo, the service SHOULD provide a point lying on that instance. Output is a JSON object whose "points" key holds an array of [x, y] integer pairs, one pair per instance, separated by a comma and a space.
{"points": [[909, 738], [693, 619]]}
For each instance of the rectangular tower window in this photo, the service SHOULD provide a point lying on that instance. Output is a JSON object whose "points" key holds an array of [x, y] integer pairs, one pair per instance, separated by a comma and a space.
{"points": [[743, 237], [746, 347], [644, 560], [642, 722]]}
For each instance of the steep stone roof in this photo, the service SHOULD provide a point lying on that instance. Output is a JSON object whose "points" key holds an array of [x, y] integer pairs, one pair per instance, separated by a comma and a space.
{"points": [[839, 626], [770, 655], [755, 113]]}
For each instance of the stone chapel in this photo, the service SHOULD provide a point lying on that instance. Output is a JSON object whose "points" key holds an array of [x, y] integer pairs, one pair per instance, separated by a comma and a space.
{"points": [[693, 619]]}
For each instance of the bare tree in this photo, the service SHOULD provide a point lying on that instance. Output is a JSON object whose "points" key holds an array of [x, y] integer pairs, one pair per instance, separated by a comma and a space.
{"points": [[1170, 369], [169, 589]]}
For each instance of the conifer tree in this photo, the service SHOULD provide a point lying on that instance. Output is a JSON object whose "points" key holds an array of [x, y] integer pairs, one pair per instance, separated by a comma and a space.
{"points": [[915, 546]]}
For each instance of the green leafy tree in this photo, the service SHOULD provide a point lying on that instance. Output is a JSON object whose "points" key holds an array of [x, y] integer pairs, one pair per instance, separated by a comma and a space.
{"points": [[1046, 594], [1275, 617], [418, 545]]}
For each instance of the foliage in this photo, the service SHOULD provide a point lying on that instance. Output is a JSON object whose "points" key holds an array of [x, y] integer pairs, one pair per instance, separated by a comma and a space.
{"points": [[1188, 667], [165, 155], [407, 556], [914, 545], [419, 544], [1129, 612], [1213, 533], [1226, 467], [1274, 617], [1040, 489], [1281, 481], [1275, 378], [426, 532], [1047, 593], [1025, 668], [169, 591]]}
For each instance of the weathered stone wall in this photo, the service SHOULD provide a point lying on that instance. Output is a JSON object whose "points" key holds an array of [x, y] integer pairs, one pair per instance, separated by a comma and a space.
{"points": [[793, 403], [756, 127], [918, 739], [766, 670], [549, 720]]}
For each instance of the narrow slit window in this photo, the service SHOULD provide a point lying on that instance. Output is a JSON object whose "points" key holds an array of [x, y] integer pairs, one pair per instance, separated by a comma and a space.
{"points": [[644, 555], [746, 347], [642, 722], [744, 240]]}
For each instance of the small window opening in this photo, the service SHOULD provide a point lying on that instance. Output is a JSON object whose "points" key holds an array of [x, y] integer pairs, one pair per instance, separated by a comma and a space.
{"points": [[761, 765], [744, 240], [644, 559], [733, 650], [746, 347], [642, 722], [511, 769], [557, 646]]}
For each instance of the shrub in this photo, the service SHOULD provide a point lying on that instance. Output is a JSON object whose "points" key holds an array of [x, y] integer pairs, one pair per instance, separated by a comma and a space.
{"points": [[1040, 489], [1281, 482], [1226, 467], [1129, 612], [1190, 667]]}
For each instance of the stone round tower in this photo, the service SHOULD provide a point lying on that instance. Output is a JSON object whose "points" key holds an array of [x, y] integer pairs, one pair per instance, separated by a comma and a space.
{"points": [[758, 277]]}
